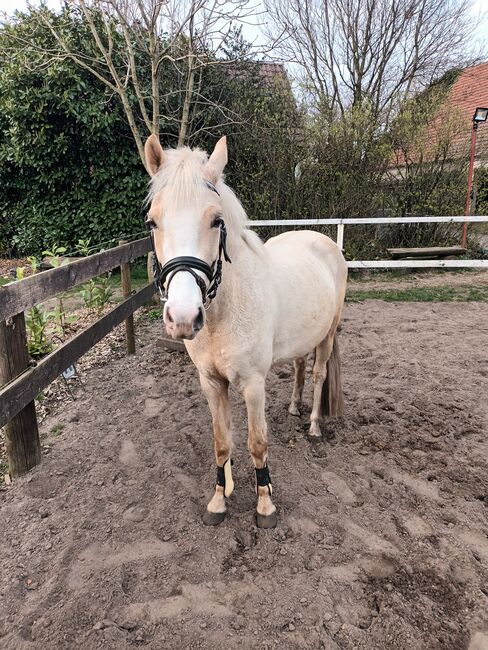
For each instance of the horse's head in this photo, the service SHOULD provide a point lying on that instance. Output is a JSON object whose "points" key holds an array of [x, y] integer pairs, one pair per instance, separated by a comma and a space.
{"points": [[186, 219]]}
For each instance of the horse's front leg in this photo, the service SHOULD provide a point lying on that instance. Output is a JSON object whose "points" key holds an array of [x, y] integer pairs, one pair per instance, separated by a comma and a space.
{"points": [[216, 390], [253, 393]]}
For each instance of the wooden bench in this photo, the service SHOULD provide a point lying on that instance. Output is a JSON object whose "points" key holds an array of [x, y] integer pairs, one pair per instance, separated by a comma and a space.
{"points": [[435, 252]]}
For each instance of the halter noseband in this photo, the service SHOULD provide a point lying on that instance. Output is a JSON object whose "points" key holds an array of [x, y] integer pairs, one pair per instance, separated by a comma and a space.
{"points": [[164, 274]]}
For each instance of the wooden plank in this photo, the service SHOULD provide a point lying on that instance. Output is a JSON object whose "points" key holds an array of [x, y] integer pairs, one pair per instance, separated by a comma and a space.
{"points": [[23, 294], [418, 264], [170, 344], [21, 433], [18, 393], [433, 251]]}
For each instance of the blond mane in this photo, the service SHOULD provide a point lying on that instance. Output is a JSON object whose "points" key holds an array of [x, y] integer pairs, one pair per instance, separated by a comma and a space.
{"points": [[183, 171]]}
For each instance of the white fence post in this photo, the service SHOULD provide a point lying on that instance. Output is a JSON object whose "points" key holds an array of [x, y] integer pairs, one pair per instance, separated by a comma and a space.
{"points": [[340, 236]]}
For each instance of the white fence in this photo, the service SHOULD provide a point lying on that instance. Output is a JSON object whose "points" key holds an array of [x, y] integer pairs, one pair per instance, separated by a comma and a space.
{"points": [[385, 264]]}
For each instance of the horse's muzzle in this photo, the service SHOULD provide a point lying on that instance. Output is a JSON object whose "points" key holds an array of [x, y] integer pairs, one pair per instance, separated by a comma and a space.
{"points": [[184, 326]]}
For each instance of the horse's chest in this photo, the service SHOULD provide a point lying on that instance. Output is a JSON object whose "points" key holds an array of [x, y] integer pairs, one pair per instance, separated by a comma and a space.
{"points": [[232, 357]]}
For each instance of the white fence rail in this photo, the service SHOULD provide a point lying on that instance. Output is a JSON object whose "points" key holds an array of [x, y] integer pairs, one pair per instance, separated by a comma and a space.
{"points": [[385, 264]]}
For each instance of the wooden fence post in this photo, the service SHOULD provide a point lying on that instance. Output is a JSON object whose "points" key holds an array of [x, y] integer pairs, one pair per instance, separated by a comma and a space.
{"points": [[126, 292], [21, 433], [150, 276]]}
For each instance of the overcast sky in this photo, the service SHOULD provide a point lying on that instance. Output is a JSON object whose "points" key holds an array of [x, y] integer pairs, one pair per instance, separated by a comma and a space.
{"points": [[479, 12]]}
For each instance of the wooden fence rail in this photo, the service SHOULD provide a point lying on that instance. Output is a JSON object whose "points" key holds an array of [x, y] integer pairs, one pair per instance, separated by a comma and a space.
{"points": [[21, 382], [24, 294], [340, 224], [19, 392]]}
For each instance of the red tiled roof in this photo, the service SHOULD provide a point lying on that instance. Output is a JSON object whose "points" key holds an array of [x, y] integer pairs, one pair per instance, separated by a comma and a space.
{"points": [[468, 92], [270, 71]]}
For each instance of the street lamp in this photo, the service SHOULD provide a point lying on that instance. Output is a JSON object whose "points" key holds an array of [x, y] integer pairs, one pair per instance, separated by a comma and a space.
{"points": [[480, 116]]}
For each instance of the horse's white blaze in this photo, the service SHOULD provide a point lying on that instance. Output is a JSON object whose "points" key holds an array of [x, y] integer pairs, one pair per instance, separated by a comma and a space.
{"points": [[184, 296], [280, 300], [184, 299]]}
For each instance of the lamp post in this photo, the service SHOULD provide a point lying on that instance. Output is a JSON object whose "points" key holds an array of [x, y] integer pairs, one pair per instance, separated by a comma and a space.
{"points": [[480, 116]]}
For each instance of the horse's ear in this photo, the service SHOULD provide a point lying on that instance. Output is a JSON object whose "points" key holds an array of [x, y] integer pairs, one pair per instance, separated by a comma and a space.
{"points": [[217, 160], [153, 152]]}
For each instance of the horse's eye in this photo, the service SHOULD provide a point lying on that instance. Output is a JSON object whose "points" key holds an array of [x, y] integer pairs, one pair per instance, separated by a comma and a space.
{"points": [[216, 223], [150, 223]]}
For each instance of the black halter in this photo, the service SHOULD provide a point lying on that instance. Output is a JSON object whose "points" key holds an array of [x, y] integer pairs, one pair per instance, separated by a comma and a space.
{"points": [[164, 274]]}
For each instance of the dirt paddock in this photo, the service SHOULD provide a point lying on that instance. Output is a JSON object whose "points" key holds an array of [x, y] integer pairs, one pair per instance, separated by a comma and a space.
{"points": [[382, 541]]}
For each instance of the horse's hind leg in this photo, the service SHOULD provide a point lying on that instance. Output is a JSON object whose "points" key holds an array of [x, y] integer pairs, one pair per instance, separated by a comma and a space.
{"points": [[296, 398], [216, 390], [319, 373], [253, 392]]}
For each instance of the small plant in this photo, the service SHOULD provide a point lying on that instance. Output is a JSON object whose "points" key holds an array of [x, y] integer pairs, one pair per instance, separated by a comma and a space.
{"points": [[60, 315], [54, 256], [103, 291], [86, 292], [153, 314], [83, 247], [37, 321], [20, 270], [96, 293], [34, 263]]}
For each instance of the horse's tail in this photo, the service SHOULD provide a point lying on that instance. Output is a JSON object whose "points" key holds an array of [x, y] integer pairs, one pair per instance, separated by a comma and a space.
{"points": [[332, 400]]}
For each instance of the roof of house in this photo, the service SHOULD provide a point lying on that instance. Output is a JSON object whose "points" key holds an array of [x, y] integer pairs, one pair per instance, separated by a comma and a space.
{"points": [[270, 70], [470, 91]]}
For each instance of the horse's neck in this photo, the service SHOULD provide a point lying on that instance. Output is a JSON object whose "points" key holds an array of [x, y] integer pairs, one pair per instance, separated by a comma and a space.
{"points": [[234, 277]]}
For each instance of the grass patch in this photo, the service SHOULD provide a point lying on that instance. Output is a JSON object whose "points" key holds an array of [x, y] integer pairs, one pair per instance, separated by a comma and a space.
{"points": [[138, 276], [153, 314], [461, 293], [386, 275], [57, 429]]}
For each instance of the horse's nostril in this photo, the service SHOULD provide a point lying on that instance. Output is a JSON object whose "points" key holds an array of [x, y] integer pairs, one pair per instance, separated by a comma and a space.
{"points": [[199, 321], [168, 314]]}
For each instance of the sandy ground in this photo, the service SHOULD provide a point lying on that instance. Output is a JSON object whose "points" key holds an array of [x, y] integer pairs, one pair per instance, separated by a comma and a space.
{"points": [[382, 539]]}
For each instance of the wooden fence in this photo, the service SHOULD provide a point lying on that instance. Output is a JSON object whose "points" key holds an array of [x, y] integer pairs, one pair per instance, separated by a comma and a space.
{"points": [[20, 380]]}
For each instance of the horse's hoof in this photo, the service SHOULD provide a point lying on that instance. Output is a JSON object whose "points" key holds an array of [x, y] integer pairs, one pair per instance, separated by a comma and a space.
{"points": [[213, 518], [293, 410], [266, 521], [314, 433]]}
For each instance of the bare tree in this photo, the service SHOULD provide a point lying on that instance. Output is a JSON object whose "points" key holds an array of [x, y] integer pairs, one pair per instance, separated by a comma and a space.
{"points": [[428, 165], [188, 35], [355, 52]]}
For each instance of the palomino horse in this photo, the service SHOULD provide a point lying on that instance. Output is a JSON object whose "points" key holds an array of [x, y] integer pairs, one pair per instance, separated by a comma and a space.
{"points": [[276, 301]]}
